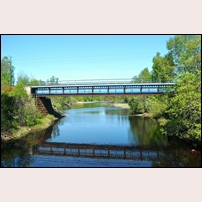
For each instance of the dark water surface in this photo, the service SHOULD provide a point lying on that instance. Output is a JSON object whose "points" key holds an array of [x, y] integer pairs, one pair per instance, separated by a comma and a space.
{"points": [[74, 141]]}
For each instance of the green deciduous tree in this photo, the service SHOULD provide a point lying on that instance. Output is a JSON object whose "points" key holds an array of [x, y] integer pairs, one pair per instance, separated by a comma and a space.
{"points": [[163, 68], [23, 79], [7, 73], [7, 112], [185, 108], [186, 51], [53, 80], [144, 76], [26, 112], [140, 104]]}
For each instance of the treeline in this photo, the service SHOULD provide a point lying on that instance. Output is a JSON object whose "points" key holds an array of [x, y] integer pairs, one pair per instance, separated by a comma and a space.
{"points": [[178, 115], [17, 108]]}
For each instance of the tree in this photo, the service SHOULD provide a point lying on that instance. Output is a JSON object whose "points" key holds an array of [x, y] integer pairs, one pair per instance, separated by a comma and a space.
{"points": [[163, 68], [53, 80], [7, 72], [144, 76], [140, 104], [7, 112], [186, 52], [185, 108]]}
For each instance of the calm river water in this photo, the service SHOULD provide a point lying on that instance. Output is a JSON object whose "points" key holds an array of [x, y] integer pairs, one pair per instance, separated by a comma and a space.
{"points": [[94, 135]]}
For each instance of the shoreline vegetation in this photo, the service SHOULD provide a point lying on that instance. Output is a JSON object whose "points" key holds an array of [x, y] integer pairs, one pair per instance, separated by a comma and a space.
{"points": [[45, 122]]}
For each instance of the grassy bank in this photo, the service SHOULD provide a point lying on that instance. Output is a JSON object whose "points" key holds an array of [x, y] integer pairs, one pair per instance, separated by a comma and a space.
{"points": [[22, 131], [121, 105]]}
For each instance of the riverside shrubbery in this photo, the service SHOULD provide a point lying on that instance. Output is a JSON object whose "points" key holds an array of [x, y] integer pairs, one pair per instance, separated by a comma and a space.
{"points": [[16, 112]]}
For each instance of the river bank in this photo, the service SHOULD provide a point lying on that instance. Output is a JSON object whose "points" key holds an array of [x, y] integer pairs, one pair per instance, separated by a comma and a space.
{"points": [[182, 142], [22, 131], [85, 102], [121, 105], [126, 106], [44, 123]]}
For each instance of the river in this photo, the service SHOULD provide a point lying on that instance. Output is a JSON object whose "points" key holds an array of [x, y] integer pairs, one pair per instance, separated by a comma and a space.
{"points": [[96, 135]]}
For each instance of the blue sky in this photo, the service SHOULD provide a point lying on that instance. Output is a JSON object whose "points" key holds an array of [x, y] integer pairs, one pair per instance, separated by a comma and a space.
{"points": [[75, 57]]}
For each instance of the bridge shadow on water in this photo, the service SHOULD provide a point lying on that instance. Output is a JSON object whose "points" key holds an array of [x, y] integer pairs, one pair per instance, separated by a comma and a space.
{"points": [[34, 151], [88, 155]]}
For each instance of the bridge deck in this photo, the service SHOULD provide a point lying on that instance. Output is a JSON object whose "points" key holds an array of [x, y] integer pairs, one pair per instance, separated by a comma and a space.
{"points": [[123, 88]]}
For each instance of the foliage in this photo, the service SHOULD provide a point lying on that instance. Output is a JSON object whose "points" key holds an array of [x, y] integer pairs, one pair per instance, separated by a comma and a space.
{"points": [[179, 115], [186, 51], [25, 80], [144, 76], [158, 105], [7, 112], [163, 68], [139, 104], [17, 109], [22, 112], [18, 91], [53, 80], [7, 73], [185, 108]]}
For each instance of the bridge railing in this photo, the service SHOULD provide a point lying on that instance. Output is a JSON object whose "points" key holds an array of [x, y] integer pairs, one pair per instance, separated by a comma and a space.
{"points": [[94, 82]]}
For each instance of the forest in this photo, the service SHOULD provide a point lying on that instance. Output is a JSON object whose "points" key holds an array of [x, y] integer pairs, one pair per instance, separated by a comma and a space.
{"points": [[179, 115]]}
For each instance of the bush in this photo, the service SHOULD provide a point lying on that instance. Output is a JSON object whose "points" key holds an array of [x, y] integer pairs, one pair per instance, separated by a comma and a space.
{"points": [[27, 113], [7, 112]]}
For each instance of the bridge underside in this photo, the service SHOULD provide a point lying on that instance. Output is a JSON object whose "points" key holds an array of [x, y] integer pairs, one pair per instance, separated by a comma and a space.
{"points": [[101, 90], [99, 94]]}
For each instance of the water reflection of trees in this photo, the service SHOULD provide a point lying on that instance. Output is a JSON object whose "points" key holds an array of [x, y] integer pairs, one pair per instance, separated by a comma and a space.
{"points": [[121, 115], [176, 158], [55, 131], [18, 153], [120, 112], [87, 105], [146, 130]]}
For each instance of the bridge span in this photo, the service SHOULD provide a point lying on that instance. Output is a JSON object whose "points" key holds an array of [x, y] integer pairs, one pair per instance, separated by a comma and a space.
{"points": [[100, 87]]}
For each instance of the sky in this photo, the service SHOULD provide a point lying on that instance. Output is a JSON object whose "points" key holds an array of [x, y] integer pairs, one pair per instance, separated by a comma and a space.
{"points": [[79, 57]]}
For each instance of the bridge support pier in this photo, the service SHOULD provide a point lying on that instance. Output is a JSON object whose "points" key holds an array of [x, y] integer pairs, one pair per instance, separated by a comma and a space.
{"points": [[44, 105]]}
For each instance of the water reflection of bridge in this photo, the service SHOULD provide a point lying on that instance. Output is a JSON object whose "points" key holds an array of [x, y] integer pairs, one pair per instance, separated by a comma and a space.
{"points": [[99, 151]]}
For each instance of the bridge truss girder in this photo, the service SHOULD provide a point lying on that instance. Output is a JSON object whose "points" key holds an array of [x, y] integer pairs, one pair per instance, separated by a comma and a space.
{"points": [[102, 90]]}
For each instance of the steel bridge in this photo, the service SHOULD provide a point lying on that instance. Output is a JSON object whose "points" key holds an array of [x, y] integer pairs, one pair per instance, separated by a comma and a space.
{"points": [[101, 87]]}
